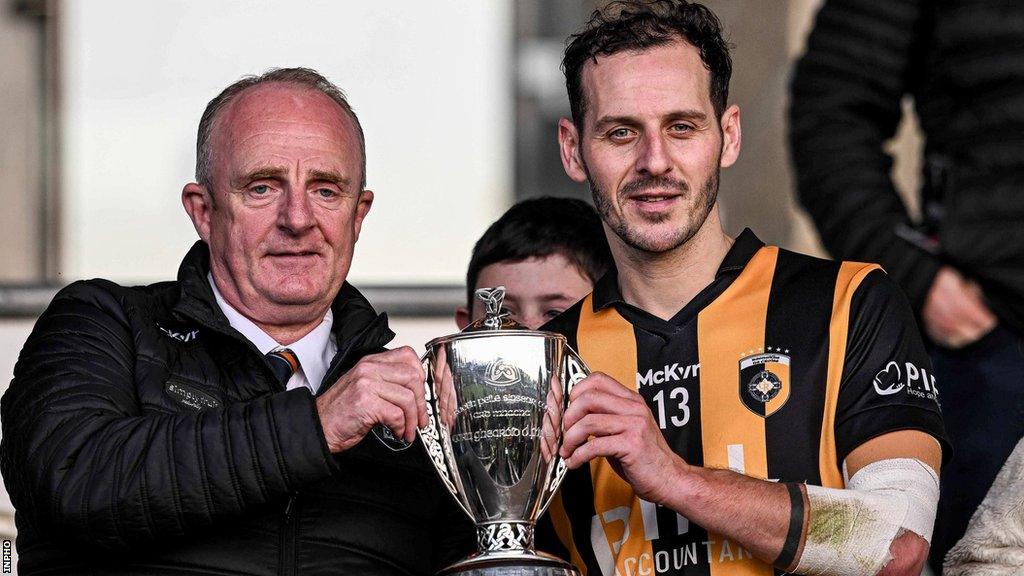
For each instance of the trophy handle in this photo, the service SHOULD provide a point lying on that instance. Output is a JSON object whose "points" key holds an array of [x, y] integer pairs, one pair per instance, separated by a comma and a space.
{"points": [[431, 437], [574, 369]]}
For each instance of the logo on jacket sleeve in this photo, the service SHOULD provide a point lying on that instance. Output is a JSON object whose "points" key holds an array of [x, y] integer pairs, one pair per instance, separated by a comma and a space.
{"points": [[190, 396], [764, 381]]}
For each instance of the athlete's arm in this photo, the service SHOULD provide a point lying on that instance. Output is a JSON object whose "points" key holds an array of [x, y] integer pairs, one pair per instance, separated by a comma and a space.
{"points": [[909, 549], [605, 419]]}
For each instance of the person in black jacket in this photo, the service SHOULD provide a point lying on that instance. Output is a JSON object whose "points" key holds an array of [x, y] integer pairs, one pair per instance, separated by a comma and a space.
{"points": [[962, 262], [246, 418]]}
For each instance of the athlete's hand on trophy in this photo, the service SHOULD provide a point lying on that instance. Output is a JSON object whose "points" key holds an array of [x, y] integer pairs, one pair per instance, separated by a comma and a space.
{"points": [[606, 419], [385, 388], [552, 419]]}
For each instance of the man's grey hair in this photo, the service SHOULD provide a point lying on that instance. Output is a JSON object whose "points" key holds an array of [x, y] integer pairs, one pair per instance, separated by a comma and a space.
{"points": [[299, 76]]}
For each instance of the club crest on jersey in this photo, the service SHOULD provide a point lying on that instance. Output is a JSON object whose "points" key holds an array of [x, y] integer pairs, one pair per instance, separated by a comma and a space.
{"points": [[764, 380]]}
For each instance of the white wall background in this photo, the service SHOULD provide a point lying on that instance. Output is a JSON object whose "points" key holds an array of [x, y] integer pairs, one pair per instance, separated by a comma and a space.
{"points": [[430, 82]]}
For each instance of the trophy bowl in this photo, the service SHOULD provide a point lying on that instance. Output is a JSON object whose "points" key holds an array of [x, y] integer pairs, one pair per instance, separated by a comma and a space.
{"points": [[496, 393]]}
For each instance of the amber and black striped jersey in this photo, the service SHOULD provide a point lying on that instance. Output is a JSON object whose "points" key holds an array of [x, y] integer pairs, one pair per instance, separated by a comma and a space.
{"points": [[778, 369]]}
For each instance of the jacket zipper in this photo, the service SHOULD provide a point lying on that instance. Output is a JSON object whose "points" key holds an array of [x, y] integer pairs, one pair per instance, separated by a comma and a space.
{"points": [[289, 535]]}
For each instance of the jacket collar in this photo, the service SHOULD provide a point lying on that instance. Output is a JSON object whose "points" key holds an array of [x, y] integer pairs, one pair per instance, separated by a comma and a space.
{"points": [[357, 326]]}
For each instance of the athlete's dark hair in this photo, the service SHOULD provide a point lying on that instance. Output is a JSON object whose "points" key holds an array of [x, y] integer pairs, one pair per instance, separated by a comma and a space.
{"points": [[640, 24], [541, 227]]}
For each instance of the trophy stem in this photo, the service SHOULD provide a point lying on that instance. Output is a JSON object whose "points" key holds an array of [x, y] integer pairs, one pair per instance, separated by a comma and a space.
{"points": [[504, 537]]}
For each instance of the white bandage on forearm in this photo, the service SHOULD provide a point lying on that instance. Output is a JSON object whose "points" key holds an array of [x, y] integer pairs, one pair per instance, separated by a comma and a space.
{"points": [[849, 531]]}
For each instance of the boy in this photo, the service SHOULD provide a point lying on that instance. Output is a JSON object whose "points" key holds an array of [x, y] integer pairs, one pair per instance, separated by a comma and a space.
{"points": [[547, 252]]}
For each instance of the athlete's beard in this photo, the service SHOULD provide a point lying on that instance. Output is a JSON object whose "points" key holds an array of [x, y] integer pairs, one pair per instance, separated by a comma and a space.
{"points": [[634, 237]]}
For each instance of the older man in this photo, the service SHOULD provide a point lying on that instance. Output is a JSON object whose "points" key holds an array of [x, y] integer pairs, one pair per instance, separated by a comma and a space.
{"points": [[244, 419]]}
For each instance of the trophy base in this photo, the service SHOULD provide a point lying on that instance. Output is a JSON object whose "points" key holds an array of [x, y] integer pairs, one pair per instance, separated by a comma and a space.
{"points": [[539, 564]]}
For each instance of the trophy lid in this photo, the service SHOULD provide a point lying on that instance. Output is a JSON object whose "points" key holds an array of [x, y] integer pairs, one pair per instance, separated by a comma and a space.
{"points": [[495, 323], [495, 317]]}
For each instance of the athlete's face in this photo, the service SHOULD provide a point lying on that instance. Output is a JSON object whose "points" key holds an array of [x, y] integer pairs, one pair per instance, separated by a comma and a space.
{"points": [[536, 289], [651, 145], [286, 206]]}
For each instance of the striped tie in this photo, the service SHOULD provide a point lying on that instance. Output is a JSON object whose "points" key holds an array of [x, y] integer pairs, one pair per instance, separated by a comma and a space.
{"points": [[284, 362]]}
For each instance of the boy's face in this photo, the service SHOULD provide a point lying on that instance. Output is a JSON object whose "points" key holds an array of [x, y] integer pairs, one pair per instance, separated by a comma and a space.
{"points": [[536, 289]]}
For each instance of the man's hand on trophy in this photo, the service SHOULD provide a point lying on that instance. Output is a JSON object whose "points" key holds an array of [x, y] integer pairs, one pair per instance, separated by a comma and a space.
{"points": [[552, 424], [385, 388], [444, 387], [606, 419]]}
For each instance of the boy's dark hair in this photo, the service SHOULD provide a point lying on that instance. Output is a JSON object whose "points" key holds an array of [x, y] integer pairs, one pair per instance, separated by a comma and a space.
{"points": [[541, 227], [639, 24]]}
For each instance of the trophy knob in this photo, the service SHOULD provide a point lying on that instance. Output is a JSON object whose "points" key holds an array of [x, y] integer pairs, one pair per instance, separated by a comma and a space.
{"points": [[495, 318]]}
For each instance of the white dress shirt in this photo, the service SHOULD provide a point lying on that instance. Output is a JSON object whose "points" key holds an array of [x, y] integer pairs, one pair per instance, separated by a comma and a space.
{"points": [[314, 350]]}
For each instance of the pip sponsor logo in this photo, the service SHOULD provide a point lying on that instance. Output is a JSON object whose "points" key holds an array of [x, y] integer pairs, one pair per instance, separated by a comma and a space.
{"points": [[907, 377], [889, 380]]}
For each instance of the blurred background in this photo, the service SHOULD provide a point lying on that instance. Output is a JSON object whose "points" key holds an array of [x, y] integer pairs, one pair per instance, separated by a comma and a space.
{"points": [[459, 99]]}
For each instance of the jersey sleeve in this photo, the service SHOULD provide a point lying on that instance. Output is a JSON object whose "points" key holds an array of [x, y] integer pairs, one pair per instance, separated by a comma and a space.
{"points": [[887, 382]]}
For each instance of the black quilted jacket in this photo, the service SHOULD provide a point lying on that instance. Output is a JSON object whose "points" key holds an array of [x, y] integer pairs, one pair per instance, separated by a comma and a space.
{"points": [[143, 435], [962, 61]]}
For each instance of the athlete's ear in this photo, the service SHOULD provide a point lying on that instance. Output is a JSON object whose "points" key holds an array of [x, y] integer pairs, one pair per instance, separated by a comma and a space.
{"points": [[461, 317], [732, 136], [569, 147]]}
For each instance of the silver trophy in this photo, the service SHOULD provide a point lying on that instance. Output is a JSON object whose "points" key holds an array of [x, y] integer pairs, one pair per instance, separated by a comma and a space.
{"points": [[495, 394]]}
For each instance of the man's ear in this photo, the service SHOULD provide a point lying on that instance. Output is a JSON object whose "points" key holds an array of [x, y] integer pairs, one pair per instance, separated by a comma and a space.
{"points": [[569, 148], [732, 136], [363, 205], [198, 203], [462, 317]]}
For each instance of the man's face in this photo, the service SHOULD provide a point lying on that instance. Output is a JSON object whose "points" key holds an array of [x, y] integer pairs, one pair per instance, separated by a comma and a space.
{"points": [[287, 206], [536, 289], [651, 145]]}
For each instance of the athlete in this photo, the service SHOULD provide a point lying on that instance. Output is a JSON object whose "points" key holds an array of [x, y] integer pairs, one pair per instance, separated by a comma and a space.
{"points": [[547, 253], [751, 410]]}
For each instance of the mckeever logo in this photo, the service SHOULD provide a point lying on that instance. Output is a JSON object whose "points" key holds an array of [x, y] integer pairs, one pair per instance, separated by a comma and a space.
{"points": [[670, 373], [182, 336]]}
